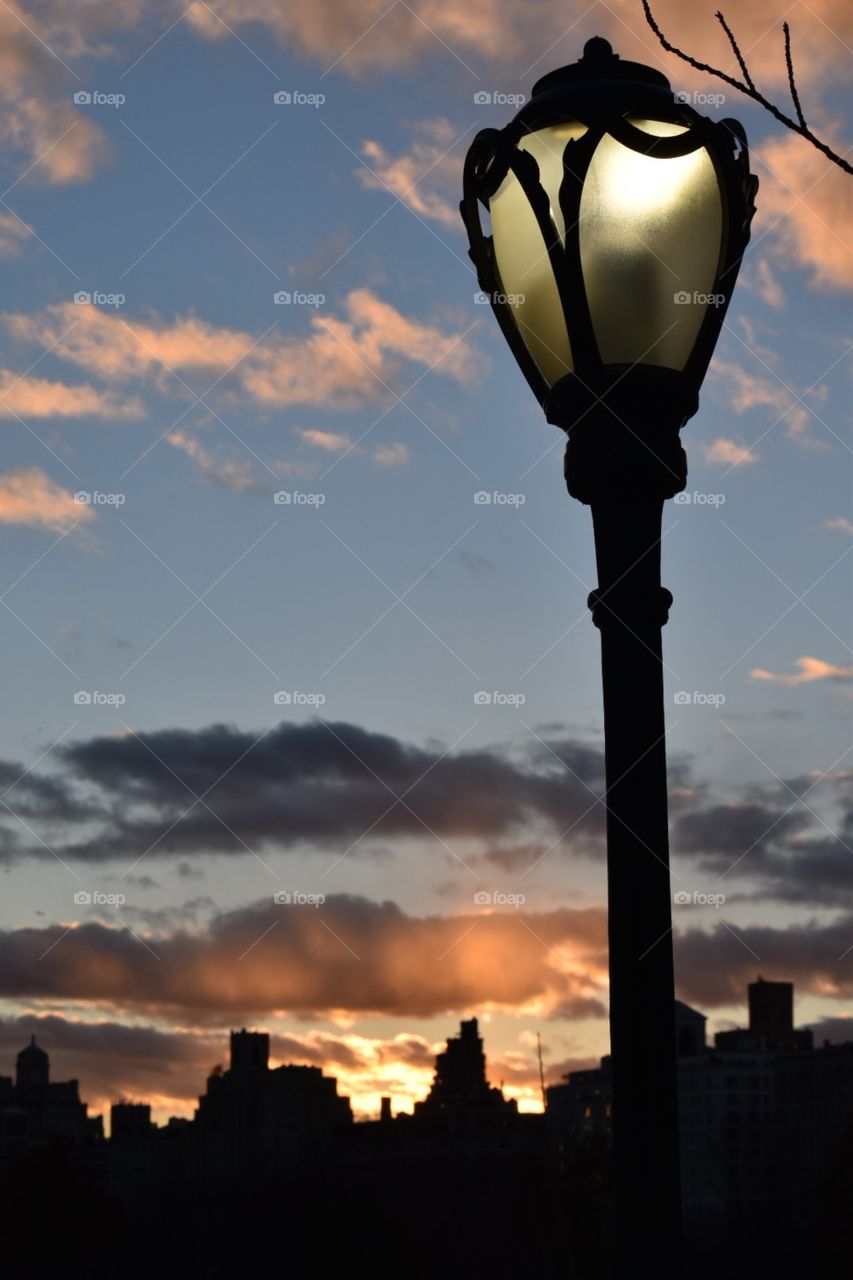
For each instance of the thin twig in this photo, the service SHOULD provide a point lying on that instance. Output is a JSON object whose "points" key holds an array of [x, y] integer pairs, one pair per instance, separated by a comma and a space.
{"points": [[789, 62], [747, 87], [747, 77]]}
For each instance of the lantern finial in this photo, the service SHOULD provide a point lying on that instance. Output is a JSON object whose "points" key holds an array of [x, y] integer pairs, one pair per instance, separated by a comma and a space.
{"points": [[597, 49]]}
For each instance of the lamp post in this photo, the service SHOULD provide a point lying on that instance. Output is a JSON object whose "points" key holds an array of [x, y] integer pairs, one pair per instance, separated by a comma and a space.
{"points": [[619, 217]]}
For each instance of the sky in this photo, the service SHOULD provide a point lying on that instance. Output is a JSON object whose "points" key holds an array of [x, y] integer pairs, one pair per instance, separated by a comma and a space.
{"points": [[250, 597]]}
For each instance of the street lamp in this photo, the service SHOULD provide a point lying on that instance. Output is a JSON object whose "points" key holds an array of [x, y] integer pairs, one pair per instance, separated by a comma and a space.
{"points": [[618, 219]]}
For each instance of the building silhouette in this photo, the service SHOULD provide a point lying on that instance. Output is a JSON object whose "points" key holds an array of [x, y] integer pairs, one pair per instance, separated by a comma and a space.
{"points": [[252, 1119], [771, 1021], [35, 1110], [766, 1138], [460, 1082], [759, 1113]]}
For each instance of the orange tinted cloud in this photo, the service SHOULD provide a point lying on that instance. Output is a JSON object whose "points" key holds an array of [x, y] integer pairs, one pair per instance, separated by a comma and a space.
{"points": [[12, 233], [809, 204], [343, 362], [60, 145], [413, 176], [360, 35], [29, 397], [810, 669], [331, 441], [347, 955], [729, 451], [746, 390], [29, 497]]}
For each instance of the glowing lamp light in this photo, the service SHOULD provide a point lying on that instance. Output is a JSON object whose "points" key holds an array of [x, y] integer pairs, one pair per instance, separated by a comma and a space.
{"points": [[618, 219]]}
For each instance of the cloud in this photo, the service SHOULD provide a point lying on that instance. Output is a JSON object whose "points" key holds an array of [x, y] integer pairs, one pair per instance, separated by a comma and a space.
{"points": [[303, 790], [29, 397], [12, 232], [347, 360], [363, 958], [839, 522], [331, 441], [713, 968], [746, 390], [729, 451], [322, 784], [811, 202], [768, 286], [348, 955], [431, 156], [393, 454], [233, 473], [358, 36], [58, 143], [810, 669], [789, 842], [29, 497]]}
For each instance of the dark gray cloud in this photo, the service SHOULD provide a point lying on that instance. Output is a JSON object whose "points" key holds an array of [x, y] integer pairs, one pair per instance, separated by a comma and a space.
{"points": [[318, 783], [325, 786], [714, 967]]}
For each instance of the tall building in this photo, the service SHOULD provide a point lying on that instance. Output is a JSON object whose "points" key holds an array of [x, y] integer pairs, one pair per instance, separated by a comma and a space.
{"points": [[460, 1082], [254, 1119], [771, 1021], [35, 1110]]}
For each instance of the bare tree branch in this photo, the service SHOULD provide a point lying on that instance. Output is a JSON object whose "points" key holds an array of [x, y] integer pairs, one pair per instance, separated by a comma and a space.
{"points": [[789, 63], [747, 86], [747, 77]]}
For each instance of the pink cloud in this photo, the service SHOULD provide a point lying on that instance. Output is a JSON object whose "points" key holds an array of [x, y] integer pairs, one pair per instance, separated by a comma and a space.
{"points": [[414, 176], [331, 441], [810, 669], [344, 361], [730, 452], [29, 497], [29, 397], [810, 201]]}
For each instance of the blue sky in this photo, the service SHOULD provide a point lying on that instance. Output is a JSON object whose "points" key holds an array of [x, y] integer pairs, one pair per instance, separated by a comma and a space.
{"points": [[387, 591]]}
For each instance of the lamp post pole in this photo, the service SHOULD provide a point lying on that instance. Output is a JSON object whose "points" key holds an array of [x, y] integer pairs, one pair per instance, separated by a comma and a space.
{"points": [[625, 472]]}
